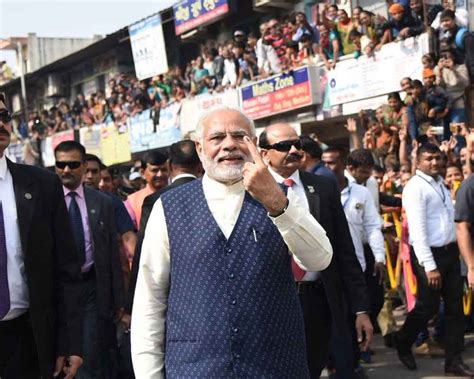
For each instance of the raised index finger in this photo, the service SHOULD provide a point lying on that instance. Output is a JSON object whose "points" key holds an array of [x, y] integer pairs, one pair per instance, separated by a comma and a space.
{"points": [[253, 151]]}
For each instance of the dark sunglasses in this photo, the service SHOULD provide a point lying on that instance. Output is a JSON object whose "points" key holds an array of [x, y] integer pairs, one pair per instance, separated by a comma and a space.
{"points": [[5, 116], [71, 164], [284, 145]]}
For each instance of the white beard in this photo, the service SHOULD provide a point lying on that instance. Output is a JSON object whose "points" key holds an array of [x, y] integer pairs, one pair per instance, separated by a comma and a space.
{"points": [[224, 174]]}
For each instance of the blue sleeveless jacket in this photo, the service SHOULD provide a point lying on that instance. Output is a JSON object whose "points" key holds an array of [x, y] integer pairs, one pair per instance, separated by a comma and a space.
{"points": [[233, 311]]}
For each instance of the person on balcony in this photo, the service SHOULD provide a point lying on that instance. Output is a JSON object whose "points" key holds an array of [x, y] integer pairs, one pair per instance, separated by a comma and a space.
{"points": [[344, 26], [371, 25], [448, 35], [454, 78], [267, 58], [439, 101], [331, 47], [461, 15], [417, 15], [398, 27]]}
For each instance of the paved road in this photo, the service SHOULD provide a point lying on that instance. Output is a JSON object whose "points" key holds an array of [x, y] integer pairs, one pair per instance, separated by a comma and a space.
{"points": [[385, 364]]}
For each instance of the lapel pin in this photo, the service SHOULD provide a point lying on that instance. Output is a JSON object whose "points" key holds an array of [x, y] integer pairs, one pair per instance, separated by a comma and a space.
{"points": [[311, 189], [28, 196], [92, 211]]}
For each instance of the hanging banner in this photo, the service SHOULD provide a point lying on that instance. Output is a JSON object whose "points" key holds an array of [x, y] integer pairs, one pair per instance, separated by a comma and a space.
{"points": [[144, 135], [189, 14], [49, 144], [281, 93], [192, 109], [115, 145], [366, 77], [148, 47], [90, 139], [15, 152]]}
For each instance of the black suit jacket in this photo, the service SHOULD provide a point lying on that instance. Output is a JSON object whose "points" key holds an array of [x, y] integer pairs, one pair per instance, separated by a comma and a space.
{"points": [[344, 276], [52, 265], [110, 286], [147, 207]]}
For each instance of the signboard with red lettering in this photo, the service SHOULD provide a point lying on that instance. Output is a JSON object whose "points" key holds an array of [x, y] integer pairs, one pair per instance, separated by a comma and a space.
{"points": [[189, 14], [282, 93]]}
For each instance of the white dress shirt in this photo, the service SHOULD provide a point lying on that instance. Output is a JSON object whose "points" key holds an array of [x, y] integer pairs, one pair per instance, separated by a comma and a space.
{"points": [[371, 184], [180, 176], [300, 231], [297, 195], [19, 297], [430, 215], [364, 222]]}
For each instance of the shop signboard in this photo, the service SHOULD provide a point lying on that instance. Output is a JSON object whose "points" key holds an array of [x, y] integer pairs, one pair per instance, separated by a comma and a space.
{"points": [[189, 14], [288, 91]]}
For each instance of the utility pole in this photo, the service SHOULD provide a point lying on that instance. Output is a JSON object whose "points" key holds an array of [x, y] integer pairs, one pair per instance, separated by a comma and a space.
{"points": [[24, 100]]}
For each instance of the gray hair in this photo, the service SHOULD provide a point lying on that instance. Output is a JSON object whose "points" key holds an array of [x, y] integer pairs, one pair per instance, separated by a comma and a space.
{"points": [[219, 108]]}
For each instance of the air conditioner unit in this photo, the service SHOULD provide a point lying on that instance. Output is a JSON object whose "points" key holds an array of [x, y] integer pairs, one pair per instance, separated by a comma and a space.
{"points": [[53, 87]]}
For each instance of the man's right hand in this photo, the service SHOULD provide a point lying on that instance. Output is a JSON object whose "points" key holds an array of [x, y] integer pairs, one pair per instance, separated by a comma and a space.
{"points": [[434, 279], [260, 183], [470, 278], [68, 366]]}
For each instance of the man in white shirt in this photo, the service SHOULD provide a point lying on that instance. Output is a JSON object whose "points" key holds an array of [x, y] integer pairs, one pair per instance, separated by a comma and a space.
{"points": [[321, 293], [216, 267], [230, 69], [365, 226], [359, 170], [435, 258]]}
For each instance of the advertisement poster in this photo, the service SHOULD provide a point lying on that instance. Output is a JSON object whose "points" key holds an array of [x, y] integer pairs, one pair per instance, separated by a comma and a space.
{"points": [[144, 135], [90, 139], [115, 145], [148, 47], [49, 144], [362, 78], [281, 93]]}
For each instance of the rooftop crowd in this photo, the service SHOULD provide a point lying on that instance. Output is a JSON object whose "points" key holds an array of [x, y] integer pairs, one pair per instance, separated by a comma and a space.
{"points": [[279, 45]]}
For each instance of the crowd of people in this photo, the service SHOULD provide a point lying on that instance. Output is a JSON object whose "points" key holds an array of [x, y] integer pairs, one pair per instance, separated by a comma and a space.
{"points": [[313, 273], [279, 45]]}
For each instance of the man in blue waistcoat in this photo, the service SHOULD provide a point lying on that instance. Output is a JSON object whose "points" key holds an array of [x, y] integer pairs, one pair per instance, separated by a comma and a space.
{"points": [[215, 295]]}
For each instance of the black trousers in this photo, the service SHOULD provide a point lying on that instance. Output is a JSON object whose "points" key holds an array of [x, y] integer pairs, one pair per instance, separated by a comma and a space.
{"points": [[18, 355], [427, 302], [376, 290], [321, 333]]}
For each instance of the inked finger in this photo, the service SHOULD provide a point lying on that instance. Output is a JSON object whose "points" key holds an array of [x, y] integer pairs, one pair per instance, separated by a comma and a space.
{"points": [[257, 158]]}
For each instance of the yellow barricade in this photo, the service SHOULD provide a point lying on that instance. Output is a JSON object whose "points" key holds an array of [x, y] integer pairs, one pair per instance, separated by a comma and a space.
{"points": [[467, 301]]}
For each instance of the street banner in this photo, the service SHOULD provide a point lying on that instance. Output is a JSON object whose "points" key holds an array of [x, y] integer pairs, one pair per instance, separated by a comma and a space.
{"points": [[115, 144], [15, 152], [90, 139], [189, 14], [281, 93], [49, 144], [148, 47], [193, 108], [144, 135], [367, 77]]}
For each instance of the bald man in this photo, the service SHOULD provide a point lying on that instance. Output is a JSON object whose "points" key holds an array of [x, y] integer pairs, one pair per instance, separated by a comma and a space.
{"points": [[321, 293]]}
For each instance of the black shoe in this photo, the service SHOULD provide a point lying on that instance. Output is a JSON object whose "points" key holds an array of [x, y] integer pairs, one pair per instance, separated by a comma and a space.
{"points": [[388, 340], [404, 354], [458, 369]]}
